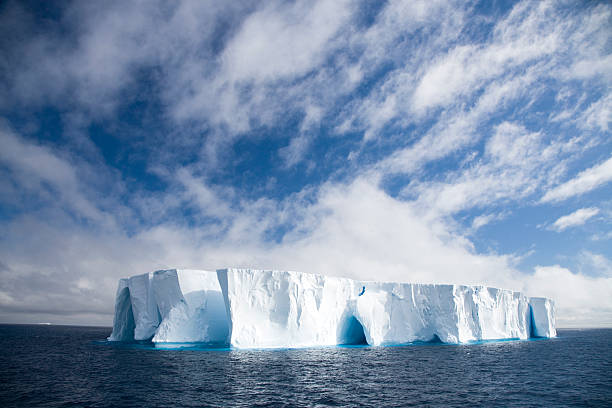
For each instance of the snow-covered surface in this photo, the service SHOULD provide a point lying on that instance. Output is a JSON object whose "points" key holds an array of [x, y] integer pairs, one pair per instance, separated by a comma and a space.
{"points": [[248, 308]]}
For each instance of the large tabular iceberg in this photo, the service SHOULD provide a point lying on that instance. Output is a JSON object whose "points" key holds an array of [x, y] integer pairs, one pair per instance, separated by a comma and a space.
{"points": [[248, 308]]}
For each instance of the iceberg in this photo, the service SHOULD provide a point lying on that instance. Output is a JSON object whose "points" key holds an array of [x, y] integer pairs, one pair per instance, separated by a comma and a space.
{"points": [[248, 308]]}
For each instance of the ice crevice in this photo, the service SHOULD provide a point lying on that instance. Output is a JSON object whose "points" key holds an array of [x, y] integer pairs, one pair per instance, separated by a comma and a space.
{"points": [[248, 308]]}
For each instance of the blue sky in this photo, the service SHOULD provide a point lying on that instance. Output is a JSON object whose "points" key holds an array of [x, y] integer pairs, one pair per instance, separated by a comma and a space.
{"points": [[418, 141]]}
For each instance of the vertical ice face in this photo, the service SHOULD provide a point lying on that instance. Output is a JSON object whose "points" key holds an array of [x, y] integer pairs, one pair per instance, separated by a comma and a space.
{"points": [[285, 309], [491, 313], [123, 322], [543, 317], [396, 313], [191, 307], [144, 306], [171, 306]]}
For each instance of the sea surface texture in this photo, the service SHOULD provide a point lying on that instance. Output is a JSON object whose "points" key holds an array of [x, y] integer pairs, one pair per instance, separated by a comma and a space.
{"points": [[61, 366]]}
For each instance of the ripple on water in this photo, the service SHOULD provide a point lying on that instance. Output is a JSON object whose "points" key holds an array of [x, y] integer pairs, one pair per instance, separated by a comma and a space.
{"points": [[69, 366]]}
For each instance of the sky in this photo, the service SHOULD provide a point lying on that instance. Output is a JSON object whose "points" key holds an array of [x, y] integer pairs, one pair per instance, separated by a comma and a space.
{"points": [[414, 141]]}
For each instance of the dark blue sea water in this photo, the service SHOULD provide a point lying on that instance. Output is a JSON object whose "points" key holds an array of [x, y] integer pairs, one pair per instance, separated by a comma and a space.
{"points": [[62, 366]]}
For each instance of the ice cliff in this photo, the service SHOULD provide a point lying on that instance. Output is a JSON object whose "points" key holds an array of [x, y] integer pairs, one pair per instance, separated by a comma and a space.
{"points": [[171, 306], [248, 308]]}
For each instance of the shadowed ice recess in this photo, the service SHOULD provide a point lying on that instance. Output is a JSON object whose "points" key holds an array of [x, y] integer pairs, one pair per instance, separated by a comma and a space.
{"points": [[245, 308]]}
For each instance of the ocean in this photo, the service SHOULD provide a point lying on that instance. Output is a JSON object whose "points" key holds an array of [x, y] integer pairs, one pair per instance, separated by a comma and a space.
{"points": [[66, 366]]}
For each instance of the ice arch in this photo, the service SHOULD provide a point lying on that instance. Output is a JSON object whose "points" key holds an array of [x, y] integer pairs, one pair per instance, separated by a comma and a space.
{"points": [[351, 332]]}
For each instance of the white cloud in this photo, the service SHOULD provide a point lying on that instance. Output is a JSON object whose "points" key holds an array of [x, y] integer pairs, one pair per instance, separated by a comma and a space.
{"points": [[468, 84], [595, 264], [457, 128], [275, 58], [514, 164], [209, 201], [284, 40], [584, 182], [484, 219], [39, 170], [295, 151], [362, 232], [264, 68], [388, 42], [466, 67], [581, 301], [450, 74], [590, 44], [602, 236], [591, 68], [578, 217], [598, 114]]}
